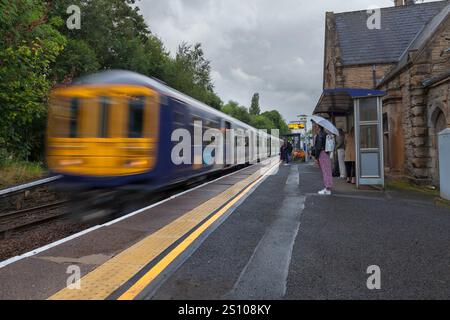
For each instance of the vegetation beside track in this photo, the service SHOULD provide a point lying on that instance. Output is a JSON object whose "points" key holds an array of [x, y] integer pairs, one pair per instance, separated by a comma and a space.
{"points": [[38, 52], [19, 172]]}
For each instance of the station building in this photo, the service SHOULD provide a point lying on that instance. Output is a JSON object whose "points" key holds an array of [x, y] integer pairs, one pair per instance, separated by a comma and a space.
{"points": [[408, 58]]}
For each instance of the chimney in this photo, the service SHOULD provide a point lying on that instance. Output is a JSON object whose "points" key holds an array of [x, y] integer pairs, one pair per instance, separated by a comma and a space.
{"points": [[399, 3]]}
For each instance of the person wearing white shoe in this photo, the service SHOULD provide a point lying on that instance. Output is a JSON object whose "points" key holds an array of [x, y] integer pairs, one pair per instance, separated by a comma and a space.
{"points": [[323, 158], [325, 192]]}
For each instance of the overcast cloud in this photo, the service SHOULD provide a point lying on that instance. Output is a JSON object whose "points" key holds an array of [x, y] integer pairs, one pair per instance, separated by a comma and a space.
{"points": [[271, 47]]}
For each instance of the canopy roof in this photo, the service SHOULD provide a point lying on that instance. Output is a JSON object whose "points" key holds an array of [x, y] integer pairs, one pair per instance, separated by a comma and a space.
{"points": [[340, 100]]}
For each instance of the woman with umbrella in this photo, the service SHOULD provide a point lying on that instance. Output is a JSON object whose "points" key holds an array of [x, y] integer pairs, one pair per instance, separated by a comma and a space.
{"points": [[320, 153]]}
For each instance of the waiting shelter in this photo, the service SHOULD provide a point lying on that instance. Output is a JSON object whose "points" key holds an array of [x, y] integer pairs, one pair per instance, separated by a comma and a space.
{"points": [[360, 109]]}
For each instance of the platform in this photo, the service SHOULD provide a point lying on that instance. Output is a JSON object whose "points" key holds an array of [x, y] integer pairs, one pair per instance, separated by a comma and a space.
{"points": [[253, 235], [109, 256]]}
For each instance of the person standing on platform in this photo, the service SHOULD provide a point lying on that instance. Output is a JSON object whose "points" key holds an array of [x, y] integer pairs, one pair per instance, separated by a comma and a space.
{"points": [[289, 149], [350, 156], [283, 151], [323, 159], [340, 148]]}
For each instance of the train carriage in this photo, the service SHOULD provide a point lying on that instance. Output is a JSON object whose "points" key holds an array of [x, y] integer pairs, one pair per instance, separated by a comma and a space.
{"points": [[114, 129]]}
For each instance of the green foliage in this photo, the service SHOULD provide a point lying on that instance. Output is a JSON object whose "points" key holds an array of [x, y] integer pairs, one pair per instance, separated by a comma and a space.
{"points": [[267, 120], [17, 172], [261, 122], [38, 51], [275, 117], [233, 109], [76, 59], [254, 107], [31, 45], [190, 73]]}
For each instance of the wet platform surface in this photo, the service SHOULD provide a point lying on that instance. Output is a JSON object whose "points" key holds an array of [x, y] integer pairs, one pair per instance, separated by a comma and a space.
{"points": [[43, 275], [251, 236]]}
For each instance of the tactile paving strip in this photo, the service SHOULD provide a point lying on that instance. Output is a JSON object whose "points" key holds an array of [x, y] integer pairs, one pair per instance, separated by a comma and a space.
{"points": [[104, 280]]}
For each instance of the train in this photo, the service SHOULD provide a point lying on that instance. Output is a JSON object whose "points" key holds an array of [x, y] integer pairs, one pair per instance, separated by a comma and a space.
{"points": [[115, 129]]}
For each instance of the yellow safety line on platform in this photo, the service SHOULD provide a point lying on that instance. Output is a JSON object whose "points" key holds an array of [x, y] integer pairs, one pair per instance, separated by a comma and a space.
{"points": [[154, 272], [108, 277]]}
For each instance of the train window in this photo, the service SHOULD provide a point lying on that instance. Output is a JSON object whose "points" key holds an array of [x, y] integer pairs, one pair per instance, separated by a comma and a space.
{"points": [[196, 120], [215, 124], [136, 117], [104, 117], [74, 109], [178, 119]]}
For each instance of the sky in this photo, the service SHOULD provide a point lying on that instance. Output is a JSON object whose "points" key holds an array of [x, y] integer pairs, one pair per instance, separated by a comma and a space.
{"points": [[271, 47]]}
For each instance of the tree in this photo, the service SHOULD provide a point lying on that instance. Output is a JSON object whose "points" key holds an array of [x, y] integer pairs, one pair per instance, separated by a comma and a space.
{"points": [[261, 122], [113, 35], [277, 120], [254, 108], [233, 109], [31, 43], [190, 73]]}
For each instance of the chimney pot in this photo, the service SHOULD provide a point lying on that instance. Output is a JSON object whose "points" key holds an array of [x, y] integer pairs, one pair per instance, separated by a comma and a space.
{"points": [[399, 3]]}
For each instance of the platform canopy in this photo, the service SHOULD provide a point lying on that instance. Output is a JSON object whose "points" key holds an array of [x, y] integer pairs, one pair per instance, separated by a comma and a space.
{"points": [[339, 101]]}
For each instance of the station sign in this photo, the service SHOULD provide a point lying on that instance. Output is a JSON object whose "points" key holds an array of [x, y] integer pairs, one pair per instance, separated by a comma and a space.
{"points": [[296, 126]]}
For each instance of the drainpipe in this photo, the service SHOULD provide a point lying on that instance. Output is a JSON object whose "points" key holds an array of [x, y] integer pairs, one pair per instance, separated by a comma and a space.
{"points": [[374, 76]]}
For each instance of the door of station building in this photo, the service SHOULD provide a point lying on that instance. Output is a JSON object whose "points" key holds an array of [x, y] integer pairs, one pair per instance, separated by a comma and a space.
{"points": [[369, 141]]}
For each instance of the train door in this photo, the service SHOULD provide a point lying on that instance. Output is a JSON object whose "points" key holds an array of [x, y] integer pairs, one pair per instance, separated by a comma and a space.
{"points": [[179, 120], [258, 149], [227, 154], [247, 149]]}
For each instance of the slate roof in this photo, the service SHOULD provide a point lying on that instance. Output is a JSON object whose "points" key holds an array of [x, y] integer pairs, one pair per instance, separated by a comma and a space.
{"points": [[399, 28]]}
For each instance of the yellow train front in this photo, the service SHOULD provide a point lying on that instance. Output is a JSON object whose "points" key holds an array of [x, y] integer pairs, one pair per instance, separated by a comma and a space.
{"points": [[113, 129]]}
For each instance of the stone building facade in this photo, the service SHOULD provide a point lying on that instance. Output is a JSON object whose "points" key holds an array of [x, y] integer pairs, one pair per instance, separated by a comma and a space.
{"points": [[408, 58]]}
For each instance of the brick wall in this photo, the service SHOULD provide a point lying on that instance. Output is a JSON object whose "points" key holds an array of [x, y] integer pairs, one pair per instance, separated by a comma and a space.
{"points": [[362, 76], [337, 75]]}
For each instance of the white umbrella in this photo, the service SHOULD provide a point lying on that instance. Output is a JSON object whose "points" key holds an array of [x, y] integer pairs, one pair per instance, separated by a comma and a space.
{"points": [[326, 124]]}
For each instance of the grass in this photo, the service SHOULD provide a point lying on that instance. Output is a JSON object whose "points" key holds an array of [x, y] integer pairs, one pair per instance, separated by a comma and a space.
{"points": [[13, 173], [405, 185], [442, 202]]}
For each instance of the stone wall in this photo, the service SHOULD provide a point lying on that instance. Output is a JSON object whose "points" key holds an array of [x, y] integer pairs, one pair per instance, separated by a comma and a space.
{"points": [[332, 53], [437, 103], [411, 105]]}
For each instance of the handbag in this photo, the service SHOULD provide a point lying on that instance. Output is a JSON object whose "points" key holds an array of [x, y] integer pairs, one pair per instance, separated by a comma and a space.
{"points": [[330, 144]]}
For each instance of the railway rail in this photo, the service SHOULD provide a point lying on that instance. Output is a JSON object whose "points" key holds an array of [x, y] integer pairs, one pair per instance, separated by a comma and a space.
{"points": [[27, 186], [22, 219]]}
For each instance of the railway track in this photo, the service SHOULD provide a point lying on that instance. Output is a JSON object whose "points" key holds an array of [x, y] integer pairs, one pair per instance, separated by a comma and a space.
{"points": [[28, 205], [22, 220], [26, 218], [27, 186]]}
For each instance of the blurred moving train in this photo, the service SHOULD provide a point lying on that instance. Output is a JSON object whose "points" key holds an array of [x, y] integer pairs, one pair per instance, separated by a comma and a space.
{"points": [[113, 129]]}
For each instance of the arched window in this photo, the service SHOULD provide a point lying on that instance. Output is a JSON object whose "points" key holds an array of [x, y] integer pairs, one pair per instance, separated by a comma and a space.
{"points": [[439, 124]]}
